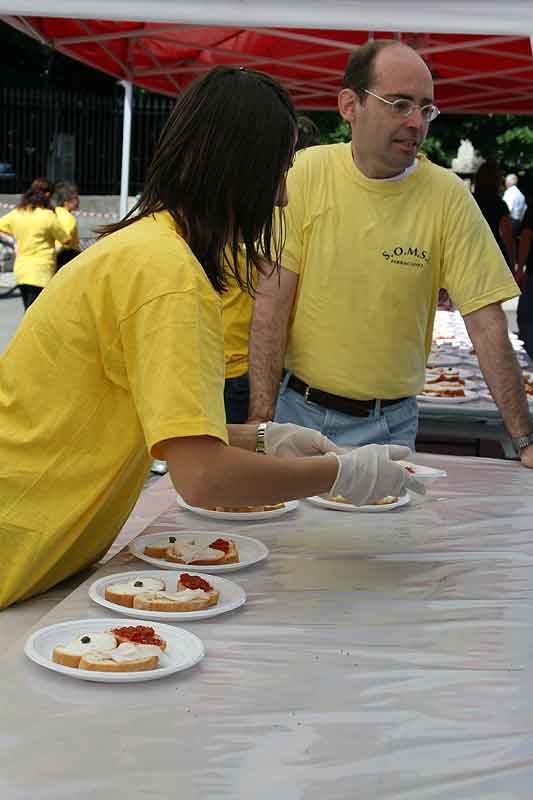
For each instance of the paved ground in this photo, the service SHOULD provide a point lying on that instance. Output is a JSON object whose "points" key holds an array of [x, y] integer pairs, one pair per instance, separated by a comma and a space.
{"points": [[11, 311]]}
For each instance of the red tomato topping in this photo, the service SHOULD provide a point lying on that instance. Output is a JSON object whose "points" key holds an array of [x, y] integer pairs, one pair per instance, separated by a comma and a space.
{"points": [[194, 582], [220, 544], [140, 634]]}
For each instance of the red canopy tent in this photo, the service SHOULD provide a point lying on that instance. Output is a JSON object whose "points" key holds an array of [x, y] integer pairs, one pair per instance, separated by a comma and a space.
{"points": [[489, 68], [473, 73]]}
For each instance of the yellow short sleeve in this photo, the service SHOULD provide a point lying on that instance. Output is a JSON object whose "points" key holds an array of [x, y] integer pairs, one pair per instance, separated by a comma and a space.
{"points": [[173, 351], [475, 273]]}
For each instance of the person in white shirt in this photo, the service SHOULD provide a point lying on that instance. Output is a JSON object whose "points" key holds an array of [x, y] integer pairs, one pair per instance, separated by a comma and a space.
{"points": [[516, 202]]}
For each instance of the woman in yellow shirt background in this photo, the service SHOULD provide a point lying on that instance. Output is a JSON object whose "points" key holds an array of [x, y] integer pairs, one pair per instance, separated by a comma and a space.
{"points": [[66, 200], [35, 228]]}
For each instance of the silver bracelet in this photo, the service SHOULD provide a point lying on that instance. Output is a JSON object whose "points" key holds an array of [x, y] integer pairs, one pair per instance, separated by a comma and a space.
{"points": [[260, 438]]}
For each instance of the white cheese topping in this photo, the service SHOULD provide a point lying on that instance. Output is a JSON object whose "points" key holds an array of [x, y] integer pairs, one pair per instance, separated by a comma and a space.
{"points": [[190, 552], [148, 585], [128, 651], [98, 641]]}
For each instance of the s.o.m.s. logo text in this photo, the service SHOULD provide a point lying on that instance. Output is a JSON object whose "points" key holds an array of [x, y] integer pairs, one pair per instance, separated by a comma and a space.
{"points": [[407, 256]]}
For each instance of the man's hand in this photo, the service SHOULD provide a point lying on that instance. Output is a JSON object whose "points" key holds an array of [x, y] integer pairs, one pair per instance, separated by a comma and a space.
{"points": [[288, 440], [488, 331], [526, 456]]}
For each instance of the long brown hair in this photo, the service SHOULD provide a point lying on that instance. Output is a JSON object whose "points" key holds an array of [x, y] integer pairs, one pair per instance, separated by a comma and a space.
{"points": [[217, 169], [38, 195]]}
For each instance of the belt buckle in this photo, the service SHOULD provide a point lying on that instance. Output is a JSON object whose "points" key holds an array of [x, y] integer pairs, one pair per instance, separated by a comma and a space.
{"points": [[306, 394]]}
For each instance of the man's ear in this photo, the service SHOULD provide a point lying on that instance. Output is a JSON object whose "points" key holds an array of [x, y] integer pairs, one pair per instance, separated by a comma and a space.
{"points": [[348, 104]]}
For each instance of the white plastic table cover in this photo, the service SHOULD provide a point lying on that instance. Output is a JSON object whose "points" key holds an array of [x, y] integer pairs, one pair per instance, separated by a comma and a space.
{"points": [[378, 656]]}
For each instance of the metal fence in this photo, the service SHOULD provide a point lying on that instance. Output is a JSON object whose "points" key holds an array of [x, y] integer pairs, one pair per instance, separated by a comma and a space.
{"points": [[75, 136]]}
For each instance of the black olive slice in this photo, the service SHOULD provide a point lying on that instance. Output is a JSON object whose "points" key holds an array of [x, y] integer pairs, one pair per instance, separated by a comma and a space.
{"points": [[138, 583], [85, 639], [172, 539]]}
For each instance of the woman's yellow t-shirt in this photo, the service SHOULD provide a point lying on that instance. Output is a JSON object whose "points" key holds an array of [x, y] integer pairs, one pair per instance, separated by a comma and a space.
{"points": [[69, 223], [122, 351], [35, 231]]}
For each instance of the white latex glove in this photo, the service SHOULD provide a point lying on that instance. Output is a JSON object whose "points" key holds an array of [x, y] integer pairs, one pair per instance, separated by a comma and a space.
{"points": [[288, 440], [370, 473]]}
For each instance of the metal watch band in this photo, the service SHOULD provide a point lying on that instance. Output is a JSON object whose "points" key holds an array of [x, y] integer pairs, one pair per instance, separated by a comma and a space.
{"points": [[260, 438], [522, 441]]}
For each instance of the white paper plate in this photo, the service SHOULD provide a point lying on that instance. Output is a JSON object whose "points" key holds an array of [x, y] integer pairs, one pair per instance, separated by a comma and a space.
{"points": [[424, 472], [240, 516], [183, 649], [469, 385], [251, 551], [469, 358], [231, 597], [323, 503], [444, 360], [468, 398], [464, 373], [487, 396]]}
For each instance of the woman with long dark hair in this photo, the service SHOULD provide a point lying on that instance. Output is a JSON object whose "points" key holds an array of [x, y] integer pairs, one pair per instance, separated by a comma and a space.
{"points": [[35, 229], [123, 354]]}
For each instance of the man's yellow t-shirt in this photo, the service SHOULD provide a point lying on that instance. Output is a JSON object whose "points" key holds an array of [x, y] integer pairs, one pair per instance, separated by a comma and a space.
{"points": [[237, 310], [35, 231], [122, 351], [371, 257], [69, 224]]}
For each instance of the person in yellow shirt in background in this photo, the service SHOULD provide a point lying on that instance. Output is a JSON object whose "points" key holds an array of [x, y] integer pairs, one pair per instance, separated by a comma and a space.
{"points": [[237, 310], [122, 358], [66, 200], [373, 231], [35, 228]]}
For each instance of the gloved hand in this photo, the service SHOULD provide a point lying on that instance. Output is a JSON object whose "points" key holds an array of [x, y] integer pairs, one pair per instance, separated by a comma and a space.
{"points": [[288, 440], [369, 473]]}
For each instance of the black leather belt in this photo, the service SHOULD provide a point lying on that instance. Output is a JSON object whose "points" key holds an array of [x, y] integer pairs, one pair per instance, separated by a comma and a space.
{"points": [[346, 405]]}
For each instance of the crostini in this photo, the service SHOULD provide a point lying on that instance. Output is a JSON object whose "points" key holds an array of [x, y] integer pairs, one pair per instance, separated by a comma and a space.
{"points": [[190, 551]]}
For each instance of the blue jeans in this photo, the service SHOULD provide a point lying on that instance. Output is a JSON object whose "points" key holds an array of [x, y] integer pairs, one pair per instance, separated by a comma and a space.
{"points": [[236, 396], [392, 424]]}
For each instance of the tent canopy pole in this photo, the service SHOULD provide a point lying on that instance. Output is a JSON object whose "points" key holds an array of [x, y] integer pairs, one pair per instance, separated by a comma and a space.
{"points": [[126, 148]]}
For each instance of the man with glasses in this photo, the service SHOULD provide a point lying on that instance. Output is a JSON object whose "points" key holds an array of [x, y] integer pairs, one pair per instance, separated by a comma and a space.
{"points": [[373, 231]]}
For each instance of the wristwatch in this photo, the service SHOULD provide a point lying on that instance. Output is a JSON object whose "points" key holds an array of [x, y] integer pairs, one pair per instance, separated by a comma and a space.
{"points": [[260, 438], [522, 441]]}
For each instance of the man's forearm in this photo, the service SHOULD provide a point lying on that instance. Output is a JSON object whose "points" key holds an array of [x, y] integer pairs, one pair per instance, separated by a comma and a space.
{"points": [[267, 352], [487, 329], [268, 339]]}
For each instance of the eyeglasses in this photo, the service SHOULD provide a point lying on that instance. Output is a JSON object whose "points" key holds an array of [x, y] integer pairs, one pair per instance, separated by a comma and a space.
{"points": [[405, 108]]}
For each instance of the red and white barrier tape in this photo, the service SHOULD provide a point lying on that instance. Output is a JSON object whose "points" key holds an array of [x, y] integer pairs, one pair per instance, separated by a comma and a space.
{"points": [[103, 214]]}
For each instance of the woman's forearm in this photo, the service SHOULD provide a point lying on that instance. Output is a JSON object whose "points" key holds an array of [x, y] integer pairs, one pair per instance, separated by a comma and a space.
{"points": [[207, 473], [243, 436]]}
